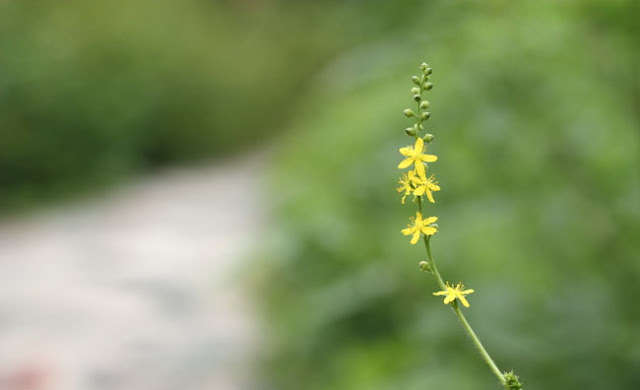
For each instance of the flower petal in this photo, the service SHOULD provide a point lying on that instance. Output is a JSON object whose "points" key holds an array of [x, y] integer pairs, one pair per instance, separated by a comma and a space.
{"points": [[463, 300], [406, 151], [420, 169], [430, 220], [405, 163], [430, 196], [419, 191], [416, 237], [429, 230], [440, 293], [409, 230], [419, 146], [428, 158]]}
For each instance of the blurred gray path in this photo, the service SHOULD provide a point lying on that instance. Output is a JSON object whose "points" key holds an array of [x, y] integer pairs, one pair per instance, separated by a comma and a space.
{"points": [[136, 290]]}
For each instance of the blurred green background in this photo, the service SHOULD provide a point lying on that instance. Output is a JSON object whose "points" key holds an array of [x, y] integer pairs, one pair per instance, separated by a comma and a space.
{"points": [[536, 114], [91, 93]]}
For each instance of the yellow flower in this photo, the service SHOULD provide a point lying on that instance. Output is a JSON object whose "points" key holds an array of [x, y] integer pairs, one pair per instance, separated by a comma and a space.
{"points": [[415, 155], [424, 185], [455, 292], [420, 226], [405, 185]]}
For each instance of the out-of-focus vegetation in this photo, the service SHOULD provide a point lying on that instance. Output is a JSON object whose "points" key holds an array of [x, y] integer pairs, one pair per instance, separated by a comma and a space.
{"points": [[93, 91], [536, 118]]}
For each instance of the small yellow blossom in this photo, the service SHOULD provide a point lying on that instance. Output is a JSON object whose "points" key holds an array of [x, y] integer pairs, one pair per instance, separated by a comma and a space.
{"points": [[405, 185], [451, 293], [415, 155], [424, 185], [420, 226]]}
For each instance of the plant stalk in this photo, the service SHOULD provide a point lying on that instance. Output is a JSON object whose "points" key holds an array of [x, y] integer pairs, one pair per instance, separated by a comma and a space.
{"points": [[463, 320]]}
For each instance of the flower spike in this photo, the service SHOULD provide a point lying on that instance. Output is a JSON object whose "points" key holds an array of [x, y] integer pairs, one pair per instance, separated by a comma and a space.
{"points": [[416, 182]]}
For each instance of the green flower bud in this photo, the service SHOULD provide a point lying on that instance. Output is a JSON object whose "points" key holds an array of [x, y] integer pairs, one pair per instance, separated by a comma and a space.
{"points": [[424, 105], [428, 86], [428, 71], [426, 115], [512, 382], [410, 131], [424, 266], [415, 90], [424, 66], [417, 97], [428, 138], [408, 113], [415, 80]]}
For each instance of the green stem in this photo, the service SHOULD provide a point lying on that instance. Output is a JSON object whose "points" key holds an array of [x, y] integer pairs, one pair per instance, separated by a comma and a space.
{"points": [[476, 341], [465, 324]]}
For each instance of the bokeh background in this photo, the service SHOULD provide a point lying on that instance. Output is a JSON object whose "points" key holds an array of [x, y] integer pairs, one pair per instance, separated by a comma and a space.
{"points": [[536, 114]]}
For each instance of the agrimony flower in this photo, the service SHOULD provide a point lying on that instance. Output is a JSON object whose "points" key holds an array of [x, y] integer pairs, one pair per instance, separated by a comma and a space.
{"points": [[420, 226], [405, 185], [423, 185], [416, 155], [451, 293]]}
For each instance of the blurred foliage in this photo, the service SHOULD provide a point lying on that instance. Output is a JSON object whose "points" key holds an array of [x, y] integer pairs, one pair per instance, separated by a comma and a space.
{"points": [[92, 91], [536, 117]]}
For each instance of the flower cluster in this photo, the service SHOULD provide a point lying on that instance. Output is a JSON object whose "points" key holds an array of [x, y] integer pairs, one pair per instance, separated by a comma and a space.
{"points": [[415, 181]]}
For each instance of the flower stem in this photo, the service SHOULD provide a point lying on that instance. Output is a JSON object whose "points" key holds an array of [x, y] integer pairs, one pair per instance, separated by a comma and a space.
{"points": [[478, 344], [465, 324]]}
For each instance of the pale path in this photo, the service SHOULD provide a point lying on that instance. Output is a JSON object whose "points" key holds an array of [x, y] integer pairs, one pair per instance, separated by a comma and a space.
{"points": [[136, 290]]}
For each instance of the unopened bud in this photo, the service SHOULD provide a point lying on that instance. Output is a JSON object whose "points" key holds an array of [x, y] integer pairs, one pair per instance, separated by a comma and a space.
{"points": [[408, 113], [428, 71], [428, 86], [426, 115], [424, 66], [512, 382], [410, 131], [415, 90], [415, 80], [417, 97], [424, 266], [424, 105], [428, 138]]}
